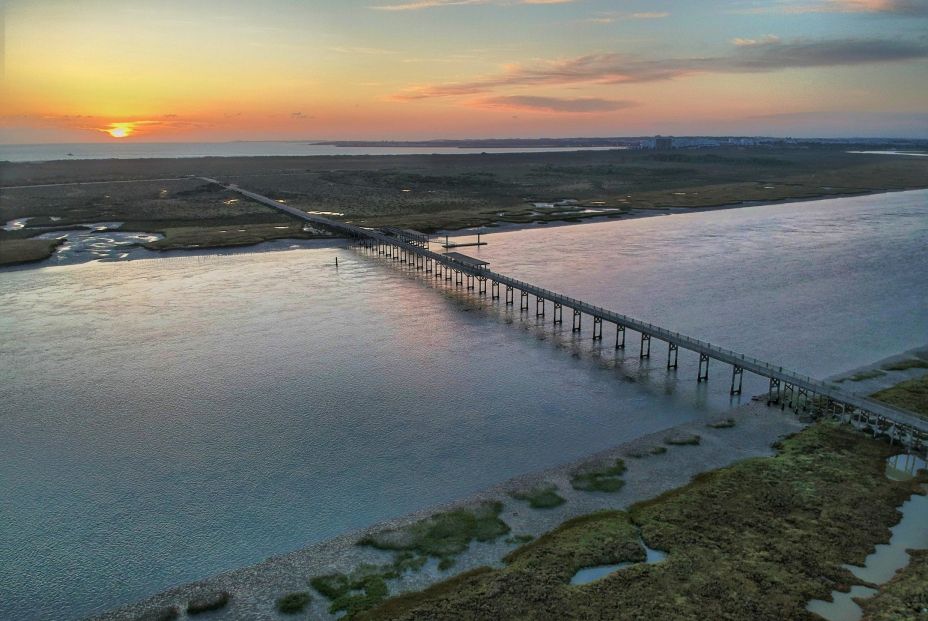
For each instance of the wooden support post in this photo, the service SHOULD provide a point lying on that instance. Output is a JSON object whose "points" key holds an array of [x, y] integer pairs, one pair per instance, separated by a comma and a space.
{"points": [[428, 264], [736, 373], [509, 300], [558, 314], [773, 393], [481, 285], [672, 354], [597, 328], [449, 271], [458, 278], [494, 290], [578, 320], [539, 307], [703, 368], [645, 346], [470, 281], [523, 301], [619, 336]]}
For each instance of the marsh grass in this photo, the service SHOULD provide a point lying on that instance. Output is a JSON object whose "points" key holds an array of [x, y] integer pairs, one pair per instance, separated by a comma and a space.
{"points": [[756, 540], [208, 603], [649, 452], [911, 395], [683, 440], [865, 375], [542, 496], [444, 534], [905, 365], [353, 593], [294, 603], [601, 479]]}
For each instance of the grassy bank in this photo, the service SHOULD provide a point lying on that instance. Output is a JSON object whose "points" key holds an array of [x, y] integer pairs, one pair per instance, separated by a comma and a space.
{"points": [[429, 192], [189, 213], [910, 394], [755, 540], [17, 251]]}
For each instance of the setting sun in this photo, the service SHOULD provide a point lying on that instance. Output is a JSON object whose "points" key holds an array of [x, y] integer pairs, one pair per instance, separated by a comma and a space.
{"points": [[120, 130]]}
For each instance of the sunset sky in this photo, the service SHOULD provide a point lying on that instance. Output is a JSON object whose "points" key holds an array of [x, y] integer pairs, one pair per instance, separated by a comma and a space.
{"points": [[213, 70]]}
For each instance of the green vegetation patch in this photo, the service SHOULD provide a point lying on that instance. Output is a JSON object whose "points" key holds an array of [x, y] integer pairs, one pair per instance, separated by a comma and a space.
{"points": [[443, 535], [602, 479], [905, 365], [910, 395], [207, 603], [905, 597], [683, 440], [16, 251], [363, 589], [756, 540], [725, 423], [865, 375], [653, 450], [543, 496], [294, 603]]}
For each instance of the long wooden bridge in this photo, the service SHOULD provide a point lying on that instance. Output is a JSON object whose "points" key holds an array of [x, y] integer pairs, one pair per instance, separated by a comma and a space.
{"points": [[786, 387]]}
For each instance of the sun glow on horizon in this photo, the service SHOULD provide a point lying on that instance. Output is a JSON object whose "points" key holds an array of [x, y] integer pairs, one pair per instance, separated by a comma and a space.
{"points": [[120, 130]]}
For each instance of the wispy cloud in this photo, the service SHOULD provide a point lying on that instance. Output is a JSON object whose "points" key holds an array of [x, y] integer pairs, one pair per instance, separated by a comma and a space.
{"points": [[801, 7], [581, 105], [614, 16], [750, 56], [355, 49], [416, 5]]}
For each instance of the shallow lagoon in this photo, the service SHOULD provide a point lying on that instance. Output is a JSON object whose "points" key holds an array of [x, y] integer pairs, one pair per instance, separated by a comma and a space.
{"points": [[161, 420]]}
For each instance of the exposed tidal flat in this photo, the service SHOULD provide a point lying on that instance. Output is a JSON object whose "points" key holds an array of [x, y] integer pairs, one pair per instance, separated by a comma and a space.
{"points": [[162, 422]]}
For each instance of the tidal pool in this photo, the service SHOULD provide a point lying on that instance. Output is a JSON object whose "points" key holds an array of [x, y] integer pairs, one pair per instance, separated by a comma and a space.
{"points": [[880, 566]]}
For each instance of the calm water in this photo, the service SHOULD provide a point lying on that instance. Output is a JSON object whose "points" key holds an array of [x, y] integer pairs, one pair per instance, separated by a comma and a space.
{"points": [[133, 150], [161, 420]]}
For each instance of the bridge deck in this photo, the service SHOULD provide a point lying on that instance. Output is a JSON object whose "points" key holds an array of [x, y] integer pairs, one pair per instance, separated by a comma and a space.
{"points": [[754, 365]]}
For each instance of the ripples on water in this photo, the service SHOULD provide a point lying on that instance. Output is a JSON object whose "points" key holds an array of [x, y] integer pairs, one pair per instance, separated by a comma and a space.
{"points": [[161, 420]]}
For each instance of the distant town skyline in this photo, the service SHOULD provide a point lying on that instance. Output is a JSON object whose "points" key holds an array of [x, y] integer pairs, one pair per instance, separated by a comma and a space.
{"points": [[137, 70]]}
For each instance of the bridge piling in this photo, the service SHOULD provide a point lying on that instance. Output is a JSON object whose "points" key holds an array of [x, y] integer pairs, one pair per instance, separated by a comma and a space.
{"points": [[558, 313], [774, 386], [672, 353], [736, 372], [539, 307], [578, 321], [619, 334], [509, 300], [494, 290], [703, 375], [481, 286], [645, 351], [523, 300], [597, 328]]}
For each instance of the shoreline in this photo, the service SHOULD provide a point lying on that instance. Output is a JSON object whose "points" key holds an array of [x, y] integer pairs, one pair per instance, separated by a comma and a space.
{"points": [[504, 227], [256, 587], [500, 227]]}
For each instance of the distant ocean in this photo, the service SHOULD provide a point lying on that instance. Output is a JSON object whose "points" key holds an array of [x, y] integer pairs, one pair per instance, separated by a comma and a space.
{"points": [[135, 150]]}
